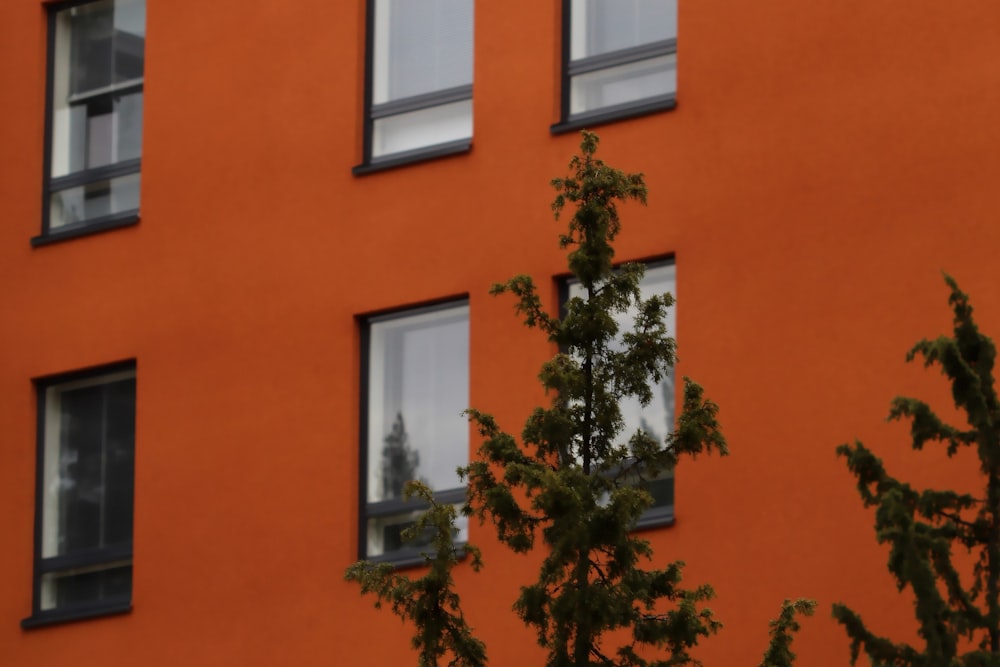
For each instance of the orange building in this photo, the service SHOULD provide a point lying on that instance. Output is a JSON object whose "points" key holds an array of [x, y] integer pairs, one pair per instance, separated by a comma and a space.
{"points": [[244, 245]]}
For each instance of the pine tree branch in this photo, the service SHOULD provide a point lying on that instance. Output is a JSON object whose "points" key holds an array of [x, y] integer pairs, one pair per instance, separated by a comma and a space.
{"points": [[782, 631], [955, 518], [881, 651], [926, 426], [920, 555], [429, 602]]}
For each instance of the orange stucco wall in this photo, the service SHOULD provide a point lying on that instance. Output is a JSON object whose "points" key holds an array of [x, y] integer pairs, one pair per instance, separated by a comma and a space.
{"points": [[825, 161]]}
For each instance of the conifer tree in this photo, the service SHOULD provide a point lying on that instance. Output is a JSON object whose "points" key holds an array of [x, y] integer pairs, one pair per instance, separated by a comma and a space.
{"points": [[569, 482], [957, 611], [566, 483]]}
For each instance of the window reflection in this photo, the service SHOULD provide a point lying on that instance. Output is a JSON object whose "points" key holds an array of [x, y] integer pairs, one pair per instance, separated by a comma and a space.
{"points": [[418, 386]]}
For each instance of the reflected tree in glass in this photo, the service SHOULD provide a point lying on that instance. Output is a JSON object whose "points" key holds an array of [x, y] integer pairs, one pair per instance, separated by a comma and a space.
{"points": [[399, 460]]}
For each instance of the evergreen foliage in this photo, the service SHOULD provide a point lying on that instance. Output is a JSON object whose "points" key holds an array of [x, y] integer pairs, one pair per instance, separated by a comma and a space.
{"points": [[779, 651], [430, 601], [570, 481], [566, 481], [958, 615]]}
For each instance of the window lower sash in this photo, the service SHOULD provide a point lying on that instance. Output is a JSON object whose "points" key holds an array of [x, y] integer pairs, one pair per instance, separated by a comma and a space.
{"points": [[388, 518]]}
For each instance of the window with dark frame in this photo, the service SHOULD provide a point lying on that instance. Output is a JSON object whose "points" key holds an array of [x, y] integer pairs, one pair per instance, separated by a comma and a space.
{"points": [[419, 81], [415, 377], [657, 418], [619, 60], [94, 133], [84, 497]]}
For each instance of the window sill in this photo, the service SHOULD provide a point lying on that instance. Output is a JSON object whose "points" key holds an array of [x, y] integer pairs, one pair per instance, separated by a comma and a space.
{"points": [[614, 114], [406, 559], [656, 517], [404, 158], [87, 228], [58, 616]]}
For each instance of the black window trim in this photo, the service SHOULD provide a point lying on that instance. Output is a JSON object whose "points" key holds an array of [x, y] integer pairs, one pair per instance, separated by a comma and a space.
{"points": [[424, 101], [373, 112], [93, 226], [654, 516], [413, 156], [571, 122], [52, 185], [627, 56], [94, 174], [407, 556], [121, 552]]}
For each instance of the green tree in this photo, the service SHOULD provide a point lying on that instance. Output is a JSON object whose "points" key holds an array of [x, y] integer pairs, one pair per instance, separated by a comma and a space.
{"points": [[565, 481], [569, 481], [957, 612]]}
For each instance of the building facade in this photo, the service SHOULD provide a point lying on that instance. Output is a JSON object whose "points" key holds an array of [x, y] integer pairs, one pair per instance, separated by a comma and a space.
{"points": [[245, 255]]}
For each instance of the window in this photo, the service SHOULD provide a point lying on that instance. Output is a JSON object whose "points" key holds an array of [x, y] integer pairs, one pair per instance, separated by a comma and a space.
{"points": [[95, 117], [86, 453], [619, 59], [416, 369], [657, 418], [419, 87]]}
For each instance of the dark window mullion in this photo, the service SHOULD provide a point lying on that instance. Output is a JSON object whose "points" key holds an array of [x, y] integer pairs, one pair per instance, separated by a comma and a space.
{"points": [[424, 101], [110, 91], [109, 554], [622, 57], [95, 174], [396, 506], [87, 227], [450, 496]]}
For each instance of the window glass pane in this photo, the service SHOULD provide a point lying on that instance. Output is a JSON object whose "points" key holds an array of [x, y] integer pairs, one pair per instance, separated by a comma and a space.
{"points": [[657, 418], [661, 488], [418, 388], [423, 128], [72, 205], [626, 83], [119, 462], [129, 39], [105, 130], [89, 462], [88, 454], [98, 132], [61, 589], [602, 26], [421, 46], [97, 85], [81, 478], [107, 40], [92, 46], [127, 127]]}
